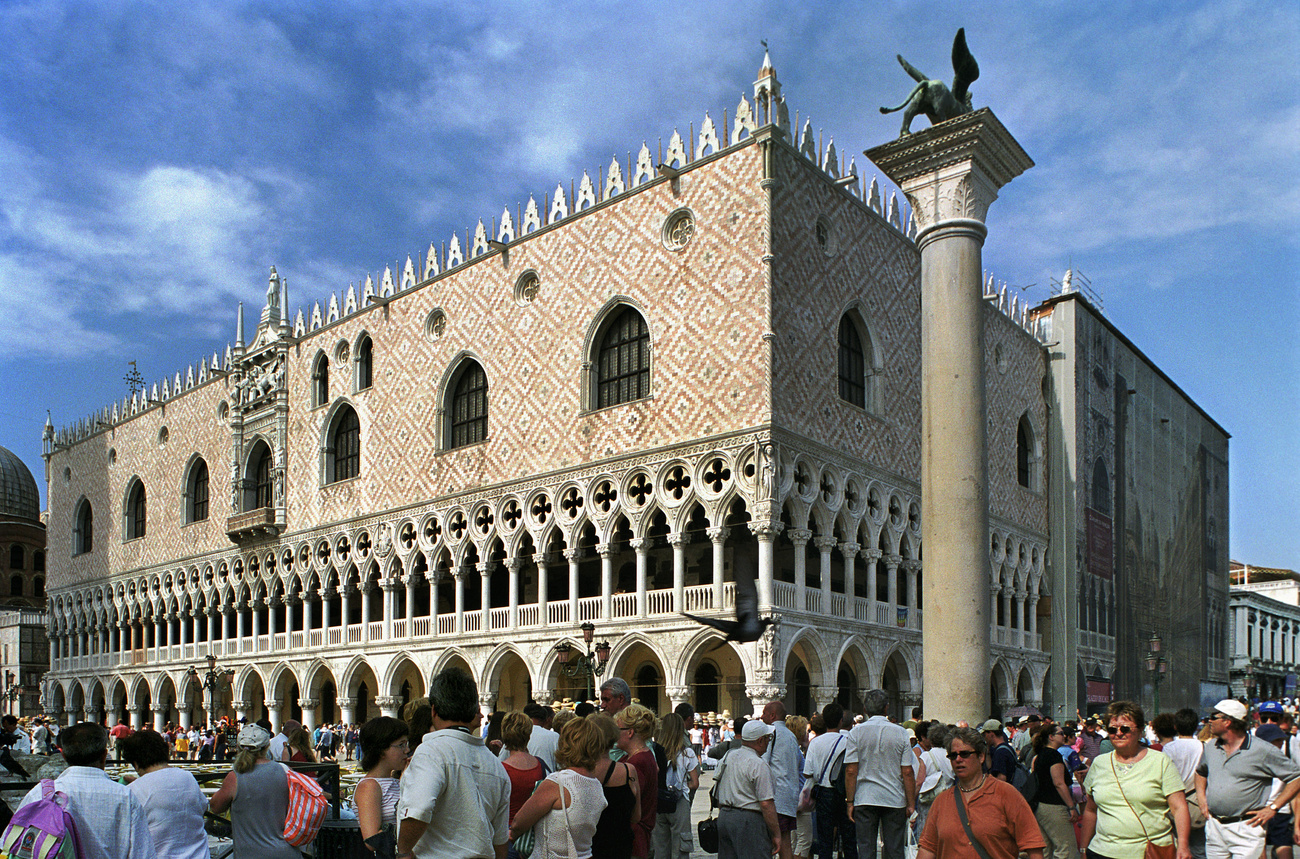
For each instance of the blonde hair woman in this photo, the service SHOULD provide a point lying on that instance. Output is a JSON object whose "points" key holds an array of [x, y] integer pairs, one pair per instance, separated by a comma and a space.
{"points": [[636, 725], [673, 828], [567, 805]]}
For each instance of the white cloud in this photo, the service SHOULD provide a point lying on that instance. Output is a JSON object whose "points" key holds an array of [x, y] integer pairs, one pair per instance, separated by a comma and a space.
{"points": [[166, 242]]}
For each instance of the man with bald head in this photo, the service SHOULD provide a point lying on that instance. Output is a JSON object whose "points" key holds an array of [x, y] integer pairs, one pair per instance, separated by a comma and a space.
{"points": [[785, 759]]}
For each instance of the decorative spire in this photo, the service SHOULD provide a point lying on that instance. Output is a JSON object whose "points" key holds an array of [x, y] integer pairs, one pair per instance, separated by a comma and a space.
{"points": [[239, 327]]}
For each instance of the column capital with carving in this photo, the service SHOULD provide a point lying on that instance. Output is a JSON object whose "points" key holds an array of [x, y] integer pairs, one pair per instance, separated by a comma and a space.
{"points": [[953, 171], [574, 554], [799, 536], [604, 550], [678, 539], [766, 530], [719, 534], [850, 550], [824, 543], [641, 545]]}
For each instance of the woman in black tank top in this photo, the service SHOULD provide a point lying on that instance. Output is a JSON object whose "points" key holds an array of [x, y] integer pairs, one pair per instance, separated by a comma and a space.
{"points": [[613, 838]]}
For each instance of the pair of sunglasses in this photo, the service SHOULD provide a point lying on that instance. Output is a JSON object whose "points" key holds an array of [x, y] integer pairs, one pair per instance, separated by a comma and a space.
{"points": [[952, 756]]}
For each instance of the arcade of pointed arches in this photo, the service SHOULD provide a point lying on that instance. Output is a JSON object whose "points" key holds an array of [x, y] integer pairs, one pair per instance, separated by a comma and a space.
{"points": [[707, 671]]}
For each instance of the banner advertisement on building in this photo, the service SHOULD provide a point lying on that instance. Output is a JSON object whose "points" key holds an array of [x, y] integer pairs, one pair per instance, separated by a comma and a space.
{"points": [[1100, 543]]}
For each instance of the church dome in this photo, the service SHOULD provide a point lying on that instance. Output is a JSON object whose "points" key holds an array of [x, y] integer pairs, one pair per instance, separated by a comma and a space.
{"points": [[19, 498]]}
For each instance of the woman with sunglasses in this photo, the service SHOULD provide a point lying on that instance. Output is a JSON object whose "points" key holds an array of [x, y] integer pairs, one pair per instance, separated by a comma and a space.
{"points": [[998, 816], [1130, 791], [385, 752], [1057, 812]]}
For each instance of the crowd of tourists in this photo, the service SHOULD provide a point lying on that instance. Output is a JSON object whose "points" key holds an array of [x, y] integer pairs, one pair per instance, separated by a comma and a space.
{"points": [[217, 742], [617, 781]]}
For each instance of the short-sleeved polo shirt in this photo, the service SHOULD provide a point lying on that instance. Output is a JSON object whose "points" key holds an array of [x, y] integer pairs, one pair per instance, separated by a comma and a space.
{"points": [[880, 748], [1241, 782]]}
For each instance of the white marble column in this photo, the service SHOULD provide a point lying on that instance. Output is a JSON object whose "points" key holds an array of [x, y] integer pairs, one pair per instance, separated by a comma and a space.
{"points": [[718, 536], [873, 561], [849, 551], [387, 587], [366, 588], [573, 556], [513, 567], [951, 174], [459, 575], [273, 714], [239, 628], [307, 619], [765, 533], [345, 606], [678, 541], [891, 570], [309, 706], [824, 545], [641, 546], [485, 594], [799, 537], [543, 587], [606, 552]]}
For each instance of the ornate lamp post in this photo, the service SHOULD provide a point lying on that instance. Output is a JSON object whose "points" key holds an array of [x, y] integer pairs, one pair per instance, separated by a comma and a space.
{"points": [[1250, 682], [589, 665], [1156, 665], [211, 680], [11, 692]]}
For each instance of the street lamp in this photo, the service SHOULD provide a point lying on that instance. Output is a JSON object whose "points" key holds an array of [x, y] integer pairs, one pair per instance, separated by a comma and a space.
{"points": [[1156, 665], [589, 665], [11, 692], [211, 681], [1250, 682]]}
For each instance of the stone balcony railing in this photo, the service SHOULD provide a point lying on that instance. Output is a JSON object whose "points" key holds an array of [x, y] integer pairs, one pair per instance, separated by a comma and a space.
{"points": [[559, 616], [253, 525]]}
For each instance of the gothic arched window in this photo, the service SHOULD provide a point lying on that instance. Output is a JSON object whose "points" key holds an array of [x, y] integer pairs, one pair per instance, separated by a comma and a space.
{"points": [[469, 406], [365, 367], [623, 360], [343, 451], [135, 511], [196, 492], [83, 532], [320, 381]]}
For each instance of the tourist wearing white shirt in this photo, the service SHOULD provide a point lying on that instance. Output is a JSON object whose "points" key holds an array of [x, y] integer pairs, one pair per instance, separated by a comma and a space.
{"points": [[171, 798], [110, 821]]}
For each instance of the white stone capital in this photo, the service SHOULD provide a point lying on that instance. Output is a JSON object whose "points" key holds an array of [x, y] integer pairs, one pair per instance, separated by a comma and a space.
{"points": [[953, 171]]}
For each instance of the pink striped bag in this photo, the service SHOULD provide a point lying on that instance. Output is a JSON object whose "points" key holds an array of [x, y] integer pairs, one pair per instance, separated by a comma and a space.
{"points": [[307, 809]]}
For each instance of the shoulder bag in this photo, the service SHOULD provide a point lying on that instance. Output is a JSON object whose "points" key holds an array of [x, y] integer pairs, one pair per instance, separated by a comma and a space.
{"points": [[806, 801], [1153, 850], [965, 822], [708, 828]]}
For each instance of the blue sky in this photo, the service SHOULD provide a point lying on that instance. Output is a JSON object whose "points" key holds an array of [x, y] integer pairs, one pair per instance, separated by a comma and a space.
{"points": [[156, 160]]}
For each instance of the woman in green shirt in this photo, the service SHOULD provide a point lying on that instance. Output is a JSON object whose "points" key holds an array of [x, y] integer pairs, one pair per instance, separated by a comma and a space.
{"points": [[1130, 790]]}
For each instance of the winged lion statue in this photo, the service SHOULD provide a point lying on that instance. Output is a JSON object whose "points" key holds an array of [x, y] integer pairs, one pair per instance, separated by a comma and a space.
{"points": [[932, 97]]}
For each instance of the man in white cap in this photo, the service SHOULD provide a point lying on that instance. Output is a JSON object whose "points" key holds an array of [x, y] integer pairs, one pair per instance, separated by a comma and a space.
{"points": [[1002, 760], [1233, 783], [747, 824]]}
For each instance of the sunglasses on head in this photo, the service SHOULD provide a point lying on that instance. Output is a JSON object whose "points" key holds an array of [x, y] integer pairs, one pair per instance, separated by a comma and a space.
{"points": [[967, 753]]}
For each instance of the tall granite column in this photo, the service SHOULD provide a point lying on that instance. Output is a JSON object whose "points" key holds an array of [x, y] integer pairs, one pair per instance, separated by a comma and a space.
{"points": [[951, 173]]}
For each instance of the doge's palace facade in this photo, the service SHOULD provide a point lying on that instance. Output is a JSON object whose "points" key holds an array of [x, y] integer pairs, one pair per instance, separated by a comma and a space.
{"points": [[584, 411]]}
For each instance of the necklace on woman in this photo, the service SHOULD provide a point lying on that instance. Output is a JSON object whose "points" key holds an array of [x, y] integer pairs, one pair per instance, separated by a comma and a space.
{"points": [[976, 787]]}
